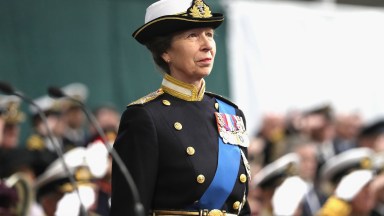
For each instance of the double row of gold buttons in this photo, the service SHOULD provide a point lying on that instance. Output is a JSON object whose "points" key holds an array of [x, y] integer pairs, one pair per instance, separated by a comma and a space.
{"points": [[191, 151]]}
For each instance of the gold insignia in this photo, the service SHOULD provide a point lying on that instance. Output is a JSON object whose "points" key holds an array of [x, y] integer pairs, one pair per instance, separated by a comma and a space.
{"points": [[366, 163], [13, 115], [58, 105], [111, 136], [69, 187], [236, 205], [148, 98], [82, 174], [291, 169], [200, 10], [277, 136], [35, 142], [65, 188]]}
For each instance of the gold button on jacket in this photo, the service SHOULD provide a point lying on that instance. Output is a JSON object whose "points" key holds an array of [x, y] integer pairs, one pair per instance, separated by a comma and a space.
{"points": [[166, 102], [243, 178], [178, 126], [190, 151]]}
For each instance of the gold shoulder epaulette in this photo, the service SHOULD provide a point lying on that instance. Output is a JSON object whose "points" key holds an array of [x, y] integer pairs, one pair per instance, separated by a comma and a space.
{"points": [[221, 98], [35, 142], [148, 97]]}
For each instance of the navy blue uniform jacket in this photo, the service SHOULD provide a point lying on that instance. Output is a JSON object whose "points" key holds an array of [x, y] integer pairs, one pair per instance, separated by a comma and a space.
{"points": [[156, 155]]}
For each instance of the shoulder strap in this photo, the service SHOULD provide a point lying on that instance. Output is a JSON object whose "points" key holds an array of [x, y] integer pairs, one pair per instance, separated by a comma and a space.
{"points": [[147, 98]]}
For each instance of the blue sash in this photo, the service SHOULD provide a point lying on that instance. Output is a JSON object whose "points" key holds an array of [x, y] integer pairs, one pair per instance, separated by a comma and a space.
{"points": [[227, 170]]}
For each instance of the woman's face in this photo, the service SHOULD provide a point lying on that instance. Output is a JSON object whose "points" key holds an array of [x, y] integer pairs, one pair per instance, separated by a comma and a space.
{"points": [[191, 55]]}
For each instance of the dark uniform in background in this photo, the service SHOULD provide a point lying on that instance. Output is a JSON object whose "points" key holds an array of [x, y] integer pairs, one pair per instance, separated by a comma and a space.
{"points": [[170, 144]]}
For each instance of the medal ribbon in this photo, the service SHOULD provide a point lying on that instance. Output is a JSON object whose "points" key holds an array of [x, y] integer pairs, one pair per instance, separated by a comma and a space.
{"points": [[227, 170]]}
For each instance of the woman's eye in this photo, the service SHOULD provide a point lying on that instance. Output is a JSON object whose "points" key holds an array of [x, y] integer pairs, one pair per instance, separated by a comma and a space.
{"points": [[192, 35]]}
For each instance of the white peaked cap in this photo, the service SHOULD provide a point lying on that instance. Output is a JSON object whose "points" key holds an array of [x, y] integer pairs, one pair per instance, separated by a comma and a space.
{"points": [[356, 158], [281, 166], [288, 196], [166, 7], [351, 184], [76, 90], [45, 103], [165, 17]]}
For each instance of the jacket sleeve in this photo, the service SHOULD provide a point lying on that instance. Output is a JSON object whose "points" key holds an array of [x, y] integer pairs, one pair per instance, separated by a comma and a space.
{"points": [[137, 145]]}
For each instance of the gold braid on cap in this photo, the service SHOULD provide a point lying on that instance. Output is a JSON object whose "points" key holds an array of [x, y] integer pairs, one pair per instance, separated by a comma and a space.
{"points": [[199, 10], [366, 163], [13, 114], [291, 169]]}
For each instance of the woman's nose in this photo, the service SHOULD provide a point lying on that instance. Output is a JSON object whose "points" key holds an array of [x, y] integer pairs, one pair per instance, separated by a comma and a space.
{"points": [[206, 43]]}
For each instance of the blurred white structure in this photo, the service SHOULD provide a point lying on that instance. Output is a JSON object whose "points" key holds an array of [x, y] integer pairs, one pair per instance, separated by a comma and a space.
{"points": [[296, 55]]}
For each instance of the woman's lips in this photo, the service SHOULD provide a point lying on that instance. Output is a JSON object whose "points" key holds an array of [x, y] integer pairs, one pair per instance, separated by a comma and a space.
{"points": [[205, 60]]}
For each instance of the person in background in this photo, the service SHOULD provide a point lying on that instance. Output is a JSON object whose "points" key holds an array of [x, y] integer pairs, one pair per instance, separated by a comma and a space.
{"points": [[58, 195], [271, 176], [255, 199], [17, 163], [340, 165], [371, 135], [318, 124], [377, 186], [185, 147], [352, 196], [271, 138], [73, 115], [40, 139], [308, 171], [108, 118], [8, 199], [346, 178], [347, 126], [11, 118]]}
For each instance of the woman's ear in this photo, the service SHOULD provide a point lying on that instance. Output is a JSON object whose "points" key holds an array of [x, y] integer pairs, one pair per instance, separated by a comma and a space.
{"points": [[166, 57]]}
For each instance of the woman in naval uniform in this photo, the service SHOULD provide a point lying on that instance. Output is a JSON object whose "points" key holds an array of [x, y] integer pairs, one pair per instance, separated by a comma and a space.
{"points": [[184, 147]]}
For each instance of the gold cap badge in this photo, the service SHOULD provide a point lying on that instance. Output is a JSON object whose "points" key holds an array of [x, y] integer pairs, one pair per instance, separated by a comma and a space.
{"points": [[199, 10], [366, 163]]}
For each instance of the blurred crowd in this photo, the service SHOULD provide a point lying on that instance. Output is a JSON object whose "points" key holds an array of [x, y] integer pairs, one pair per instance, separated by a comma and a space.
{"points": [[34, 181], [306, 162], [317, 162]]}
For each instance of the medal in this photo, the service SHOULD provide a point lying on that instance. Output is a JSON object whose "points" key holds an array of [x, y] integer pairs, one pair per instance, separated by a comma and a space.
{"points": [[231, 129]]}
